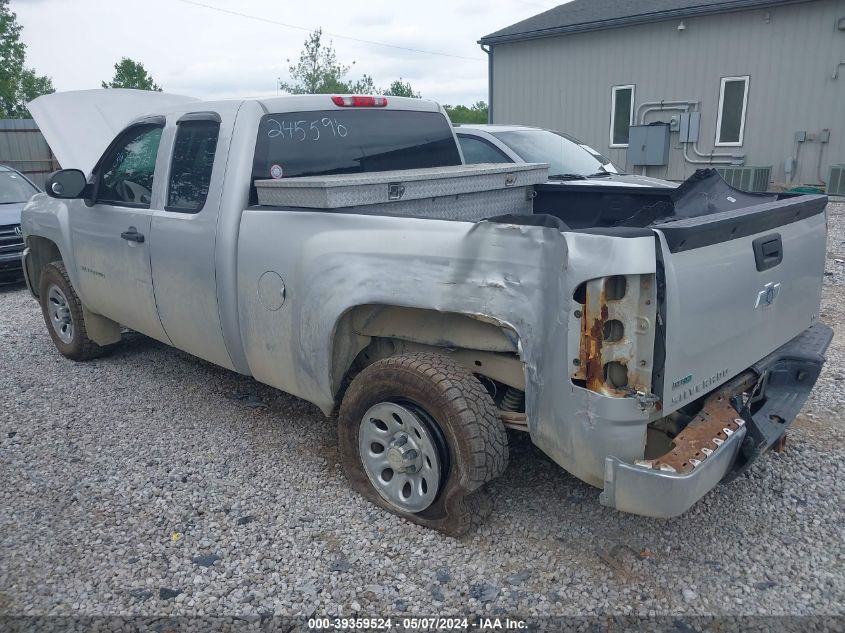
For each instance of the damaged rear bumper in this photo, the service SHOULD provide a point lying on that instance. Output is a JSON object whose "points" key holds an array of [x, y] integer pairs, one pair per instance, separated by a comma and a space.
{"points": [[726, 437]]}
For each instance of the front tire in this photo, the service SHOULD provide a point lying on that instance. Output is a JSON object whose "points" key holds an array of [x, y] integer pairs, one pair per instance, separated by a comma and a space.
{"points": [[63, 315], [419, 436]]}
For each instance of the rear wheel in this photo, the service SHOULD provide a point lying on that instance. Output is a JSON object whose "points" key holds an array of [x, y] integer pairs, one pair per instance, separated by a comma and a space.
{"points": [[419, 436], [62, 312]]}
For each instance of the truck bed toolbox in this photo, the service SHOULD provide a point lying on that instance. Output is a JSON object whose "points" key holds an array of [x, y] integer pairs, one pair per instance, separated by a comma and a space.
{"points": [[461, 192]]}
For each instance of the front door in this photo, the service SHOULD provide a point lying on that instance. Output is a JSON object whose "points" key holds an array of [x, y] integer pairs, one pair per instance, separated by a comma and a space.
{"points": [[111, 236]]}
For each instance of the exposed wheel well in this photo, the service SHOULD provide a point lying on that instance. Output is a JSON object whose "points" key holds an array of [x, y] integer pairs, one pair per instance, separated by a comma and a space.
{"points": [[368, 333], [41, 252]]}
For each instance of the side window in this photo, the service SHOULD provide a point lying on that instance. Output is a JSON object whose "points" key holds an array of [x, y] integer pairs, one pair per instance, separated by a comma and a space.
{"points": [[478, 150], [733, 97], [190, 167], [126, 172], [621, 115]]}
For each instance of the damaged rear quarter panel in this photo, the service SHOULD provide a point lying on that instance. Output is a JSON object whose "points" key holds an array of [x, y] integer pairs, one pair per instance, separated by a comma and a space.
{"points": [[597, 425], [519, 276]]}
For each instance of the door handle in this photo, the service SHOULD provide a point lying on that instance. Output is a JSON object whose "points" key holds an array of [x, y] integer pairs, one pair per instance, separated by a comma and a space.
{"points": [[132, 235]]}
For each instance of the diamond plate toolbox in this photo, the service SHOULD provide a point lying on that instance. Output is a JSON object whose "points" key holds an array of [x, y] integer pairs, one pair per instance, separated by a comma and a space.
{"points": [[462, 192]]}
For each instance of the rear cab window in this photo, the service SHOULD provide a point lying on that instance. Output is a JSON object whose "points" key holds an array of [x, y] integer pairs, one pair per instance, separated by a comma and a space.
{"points": [[329, 142]]}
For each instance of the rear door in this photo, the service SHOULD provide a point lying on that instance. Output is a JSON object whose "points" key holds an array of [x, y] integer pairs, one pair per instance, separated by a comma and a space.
{"points": [[738, 285], [184, 232], [111, 236]]}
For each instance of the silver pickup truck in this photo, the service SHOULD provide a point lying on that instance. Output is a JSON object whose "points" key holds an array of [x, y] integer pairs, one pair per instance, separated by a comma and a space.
{"points": [[653, 345]]}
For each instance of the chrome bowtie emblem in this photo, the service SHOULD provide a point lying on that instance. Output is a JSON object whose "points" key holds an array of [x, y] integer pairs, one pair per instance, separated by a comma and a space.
{"points": [[766, 297], [18, 231]]}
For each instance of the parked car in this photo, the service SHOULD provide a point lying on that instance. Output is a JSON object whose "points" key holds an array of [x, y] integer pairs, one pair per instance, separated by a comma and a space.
{"points": [[15, 190], [429, 304], [570, 161]]}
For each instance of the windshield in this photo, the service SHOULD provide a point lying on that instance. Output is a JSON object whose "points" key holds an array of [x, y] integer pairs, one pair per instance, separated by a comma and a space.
{"points": [[349, 141], [14, 188], [564, 155], [605, 161]]}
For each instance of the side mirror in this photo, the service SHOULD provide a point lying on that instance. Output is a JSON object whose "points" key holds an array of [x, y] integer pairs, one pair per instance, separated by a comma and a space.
{"points": [[66, 183]]}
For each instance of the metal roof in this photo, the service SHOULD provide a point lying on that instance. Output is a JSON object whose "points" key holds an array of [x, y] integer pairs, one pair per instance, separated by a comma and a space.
{"points": [[594, 15], [17, 124]]}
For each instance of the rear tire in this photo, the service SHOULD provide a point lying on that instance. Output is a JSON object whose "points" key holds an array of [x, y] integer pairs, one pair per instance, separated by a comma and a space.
{"points": [[62, 312], [443, 418]]}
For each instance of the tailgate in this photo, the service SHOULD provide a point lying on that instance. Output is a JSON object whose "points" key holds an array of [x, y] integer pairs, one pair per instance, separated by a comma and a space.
{"points": [[738, 285]]}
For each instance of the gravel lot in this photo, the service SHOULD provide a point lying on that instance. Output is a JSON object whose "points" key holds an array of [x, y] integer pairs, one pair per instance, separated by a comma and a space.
{"points": [[150, 482]]}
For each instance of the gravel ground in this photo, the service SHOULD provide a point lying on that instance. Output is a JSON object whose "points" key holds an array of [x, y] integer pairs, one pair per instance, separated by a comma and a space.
{"points": [[150, 482]]}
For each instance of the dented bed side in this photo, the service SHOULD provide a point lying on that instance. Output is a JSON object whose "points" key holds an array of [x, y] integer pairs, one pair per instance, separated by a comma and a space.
{"points": [[520, 278]]}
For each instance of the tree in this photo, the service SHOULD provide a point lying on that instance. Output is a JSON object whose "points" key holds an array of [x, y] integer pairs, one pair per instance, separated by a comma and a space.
{"points": [[30, 87], [364, 86], [317, 71], [131, 74], [476, 113], [18, 84], [401, 88]]}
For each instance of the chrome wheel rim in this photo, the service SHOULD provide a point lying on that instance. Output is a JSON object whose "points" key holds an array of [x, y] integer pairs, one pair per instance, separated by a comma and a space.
{"points": [[399, 454], [60, 316]]}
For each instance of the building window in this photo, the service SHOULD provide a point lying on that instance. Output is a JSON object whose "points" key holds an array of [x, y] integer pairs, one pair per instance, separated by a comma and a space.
{"points": [[730, 124], [621, 115]]}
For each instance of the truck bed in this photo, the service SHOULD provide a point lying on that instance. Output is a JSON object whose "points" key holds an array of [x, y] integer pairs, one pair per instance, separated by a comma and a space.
{"points": [[704, 193]]}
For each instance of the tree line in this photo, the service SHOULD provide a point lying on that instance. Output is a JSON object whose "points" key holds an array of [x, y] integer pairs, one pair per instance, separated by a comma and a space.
{"points": [[20, 84], [317, 71]]}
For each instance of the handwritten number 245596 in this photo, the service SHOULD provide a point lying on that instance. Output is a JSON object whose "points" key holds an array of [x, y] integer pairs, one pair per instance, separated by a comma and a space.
{"points": [[305, 130]]}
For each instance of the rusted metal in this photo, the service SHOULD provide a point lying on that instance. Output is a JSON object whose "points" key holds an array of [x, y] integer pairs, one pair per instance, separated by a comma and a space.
{"points": [[634, 311], [592, 361], [513, 420], [705, 434]]}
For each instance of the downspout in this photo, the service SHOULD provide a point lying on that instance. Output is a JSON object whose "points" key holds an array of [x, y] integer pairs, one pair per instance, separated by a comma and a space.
{"points": [[489, 51], [821, 153]]}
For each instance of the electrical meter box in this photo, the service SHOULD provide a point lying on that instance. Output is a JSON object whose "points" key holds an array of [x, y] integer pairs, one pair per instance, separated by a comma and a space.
{"points": [[648, 144]]}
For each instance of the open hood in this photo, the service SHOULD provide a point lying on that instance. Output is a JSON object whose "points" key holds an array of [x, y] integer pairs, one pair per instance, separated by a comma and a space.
{"points": [[80, 125]]}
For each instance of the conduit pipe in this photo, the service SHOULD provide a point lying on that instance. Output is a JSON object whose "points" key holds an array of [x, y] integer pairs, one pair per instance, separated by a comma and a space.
{"points": [[659, 105], [714, 159]]}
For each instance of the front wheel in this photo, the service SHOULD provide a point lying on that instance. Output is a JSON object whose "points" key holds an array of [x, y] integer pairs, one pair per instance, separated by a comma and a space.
{"points": [[62, 312], [419, 436]]}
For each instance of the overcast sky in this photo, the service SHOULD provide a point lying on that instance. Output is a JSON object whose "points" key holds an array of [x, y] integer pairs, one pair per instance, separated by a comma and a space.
{"points": [[199, 51]]}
